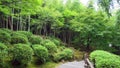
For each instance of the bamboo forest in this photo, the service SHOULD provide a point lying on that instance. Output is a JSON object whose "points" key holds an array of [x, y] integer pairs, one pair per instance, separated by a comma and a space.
{"points": [[59, 33]]}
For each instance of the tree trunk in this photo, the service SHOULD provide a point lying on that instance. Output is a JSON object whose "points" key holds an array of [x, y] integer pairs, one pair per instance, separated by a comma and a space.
{"points": [[88, 43], [69, 38], [3, 22], [7, 22], [17, 22], [12, 19], [20, 22], [28, 23]]}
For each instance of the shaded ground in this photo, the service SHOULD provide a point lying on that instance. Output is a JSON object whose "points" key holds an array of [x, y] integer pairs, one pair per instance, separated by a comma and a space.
{"points": [[74, 64], [45, 65]]}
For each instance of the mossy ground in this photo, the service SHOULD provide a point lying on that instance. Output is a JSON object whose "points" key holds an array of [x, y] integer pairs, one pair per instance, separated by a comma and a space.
{"points": [[78, 55], [45, 65]]}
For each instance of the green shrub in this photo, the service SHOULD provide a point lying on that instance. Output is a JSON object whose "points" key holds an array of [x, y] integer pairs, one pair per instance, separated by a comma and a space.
{"points": [[35, 39], [98, 54], [3, 51], [52, 48], [45, 41], [3, 54], [41, 52], [55, 40], [69, 53], [108, 63], [66, 54], [4, 37], [26, 33], [22, 53], [61, 48], [105, 59], [19, 38], [6, 30]]}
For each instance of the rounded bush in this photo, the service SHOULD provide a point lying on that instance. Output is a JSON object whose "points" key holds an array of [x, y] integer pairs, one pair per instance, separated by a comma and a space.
{"points": [[98, 54], [55, 40], [35, 39], [19, 38], [108, 63], [66, 54], [3, 51], [22, 54], [52, 48], [103, 59], [41, 52], [6, 30], [4, 37], [26, 33], [45, 41], [69, 53], [3, 54]]}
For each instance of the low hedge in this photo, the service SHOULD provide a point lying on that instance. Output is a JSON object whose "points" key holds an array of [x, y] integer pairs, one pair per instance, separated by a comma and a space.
{"points": [[108, 63], [104, 59]]}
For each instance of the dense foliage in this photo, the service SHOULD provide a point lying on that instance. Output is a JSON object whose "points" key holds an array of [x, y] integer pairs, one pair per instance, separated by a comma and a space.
{"points": [[27, 34], [105, 59], [35, 39], [22, 54], [52, 48], [52, 24], [5, 37], [18, 38], [3, 54], [72, 22], [66, 54], [41, 52], [26, 47]]}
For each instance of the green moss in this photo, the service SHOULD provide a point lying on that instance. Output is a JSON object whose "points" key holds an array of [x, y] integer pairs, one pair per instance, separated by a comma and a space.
{"points": [[49, 65], [78, 55], [46, 65]]}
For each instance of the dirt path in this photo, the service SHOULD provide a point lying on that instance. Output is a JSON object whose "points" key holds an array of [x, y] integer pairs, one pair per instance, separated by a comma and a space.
{"points": [[74, 64]]}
